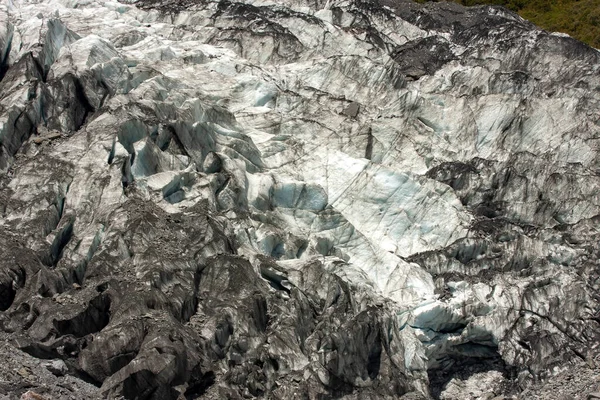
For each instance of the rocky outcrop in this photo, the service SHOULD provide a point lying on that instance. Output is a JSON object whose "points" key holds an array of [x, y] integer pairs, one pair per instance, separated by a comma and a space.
{"points": [[342, 199]]}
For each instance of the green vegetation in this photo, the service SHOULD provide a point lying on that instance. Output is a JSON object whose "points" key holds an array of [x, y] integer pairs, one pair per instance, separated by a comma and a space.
{"points": [[578, 18]]}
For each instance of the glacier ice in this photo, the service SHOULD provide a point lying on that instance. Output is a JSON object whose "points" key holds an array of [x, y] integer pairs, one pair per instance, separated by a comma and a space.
{"points": [[219, 198]]}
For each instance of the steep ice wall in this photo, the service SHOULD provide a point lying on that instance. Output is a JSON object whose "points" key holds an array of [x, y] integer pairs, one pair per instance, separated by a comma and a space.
{"points": [[313, 199]]}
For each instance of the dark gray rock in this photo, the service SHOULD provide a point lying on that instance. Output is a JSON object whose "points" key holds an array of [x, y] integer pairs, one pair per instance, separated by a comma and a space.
{"points": [[351, 110]]}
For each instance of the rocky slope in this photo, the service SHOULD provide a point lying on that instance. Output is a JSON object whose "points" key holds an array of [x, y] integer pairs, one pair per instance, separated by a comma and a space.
{"points": [[316, 199]]}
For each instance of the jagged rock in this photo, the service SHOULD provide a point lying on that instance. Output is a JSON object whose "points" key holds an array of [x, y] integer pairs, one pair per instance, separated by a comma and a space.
{"points": [[31, 395], [57, 367], [351, 110], [341, 199]]}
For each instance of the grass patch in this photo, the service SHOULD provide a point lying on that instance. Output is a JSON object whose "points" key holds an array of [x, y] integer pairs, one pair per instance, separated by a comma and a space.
{"points": [[578, 18]]}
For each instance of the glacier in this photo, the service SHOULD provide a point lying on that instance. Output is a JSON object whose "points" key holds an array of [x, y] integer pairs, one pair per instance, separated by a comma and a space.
{"points": [[311, 199]]}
